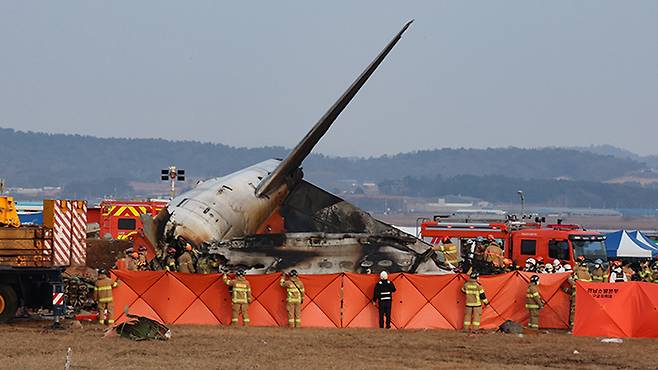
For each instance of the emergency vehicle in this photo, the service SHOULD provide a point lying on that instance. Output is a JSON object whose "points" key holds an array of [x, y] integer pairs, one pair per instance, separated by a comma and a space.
{"points": [[521, 240], [121, 219]]}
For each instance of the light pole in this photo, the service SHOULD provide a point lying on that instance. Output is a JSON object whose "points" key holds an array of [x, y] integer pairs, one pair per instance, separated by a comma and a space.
{"points": [[522, 196], [172, 174]]}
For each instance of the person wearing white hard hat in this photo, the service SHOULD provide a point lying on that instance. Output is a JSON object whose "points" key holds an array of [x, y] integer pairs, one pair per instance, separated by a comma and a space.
{"points": [[383, 296], [557, 266]]}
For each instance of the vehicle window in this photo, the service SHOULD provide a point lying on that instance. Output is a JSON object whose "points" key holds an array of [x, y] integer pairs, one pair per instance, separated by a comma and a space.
{"points": [[558, 249], [126, 224], [529, 247]]}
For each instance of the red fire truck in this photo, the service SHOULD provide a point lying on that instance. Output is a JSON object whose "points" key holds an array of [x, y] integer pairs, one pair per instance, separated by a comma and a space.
{"points": [[522, 240], [121, 219]]}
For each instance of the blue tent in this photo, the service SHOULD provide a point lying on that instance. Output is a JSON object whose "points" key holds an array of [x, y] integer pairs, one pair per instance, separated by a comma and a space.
{"points": [[622, 244], [640, 236]]}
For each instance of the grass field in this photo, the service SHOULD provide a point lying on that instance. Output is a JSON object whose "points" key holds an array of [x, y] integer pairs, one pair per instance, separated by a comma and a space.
{"points": [[29, 345]]}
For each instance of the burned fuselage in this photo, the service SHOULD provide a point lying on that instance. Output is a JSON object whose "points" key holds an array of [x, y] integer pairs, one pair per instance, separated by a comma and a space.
{"points": [[323, 233]]}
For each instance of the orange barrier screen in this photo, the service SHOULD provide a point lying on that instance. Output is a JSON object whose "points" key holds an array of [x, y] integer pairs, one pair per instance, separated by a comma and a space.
{"points": [[617, 309], [336, 300]]}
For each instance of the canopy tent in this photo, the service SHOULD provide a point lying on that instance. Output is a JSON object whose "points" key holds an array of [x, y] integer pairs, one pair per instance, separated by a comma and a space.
{"points": [[622, 244], [640, 236]]}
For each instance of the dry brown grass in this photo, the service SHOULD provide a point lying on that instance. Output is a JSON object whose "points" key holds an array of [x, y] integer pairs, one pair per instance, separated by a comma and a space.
{"points": [[30, 346]]}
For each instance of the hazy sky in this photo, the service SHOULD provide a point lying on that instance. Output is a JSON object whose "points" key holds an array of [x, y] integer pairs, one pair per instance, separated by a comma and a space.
{"points": [[473, 74]]}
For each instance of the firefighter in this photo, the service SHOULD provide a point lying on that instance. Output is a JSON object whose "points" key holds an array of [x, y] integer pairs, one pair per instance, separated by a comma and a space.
{"points": [[103, 297], [133, 263], [383, 296], [599, 274], [530, 265], [122, 263], [449, 251], [645, 272], [557, 266], [493, 253], [185, 262], [533, 302], [475, 298], [583, 272], [294, 298], [143, 263], [240, 297], [618, 275], [170, 260], [654, 272], [570, 289], [202, 265]]}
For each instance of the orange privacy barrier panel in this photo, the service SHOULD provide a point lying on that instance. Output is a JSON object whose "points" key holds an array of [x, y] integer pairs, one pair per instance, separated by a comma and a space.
{"points": [[617, 309], [336, 300]]}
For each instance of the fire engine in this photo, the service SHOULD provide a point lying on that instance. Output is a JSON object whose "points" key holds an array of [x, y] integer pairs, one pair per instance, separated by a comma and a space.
{"points": [[521, 240], [121, 219]]}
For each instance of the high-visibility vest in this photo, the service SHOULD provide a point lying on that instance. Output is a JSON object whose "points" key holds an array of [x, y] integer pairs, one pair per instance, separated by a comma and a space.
{"points": [[103, 290], [294, 290], [474, 294], [533, 299]]}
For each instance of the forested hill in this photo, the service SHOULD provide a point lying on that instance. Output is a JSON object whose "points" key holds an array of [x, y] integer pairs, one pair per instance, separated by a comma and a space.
{"points": [[38, 159]]}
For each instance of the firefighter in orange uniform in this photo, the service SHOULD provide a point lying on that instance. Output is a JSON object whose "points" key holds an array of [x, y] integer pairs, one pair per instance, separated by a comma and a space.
{"points": [[494, 253], [294, 298], [533, 302], [185, 262], [240, 297], [475, 298], [142, 261], [449, 251], [133, 261], [103, 297]]}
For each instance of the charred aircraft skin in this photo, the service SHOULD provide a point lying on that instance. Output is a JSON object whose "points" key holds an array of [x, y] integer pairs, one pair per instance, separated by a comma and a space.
{"points": [[324, 234]]}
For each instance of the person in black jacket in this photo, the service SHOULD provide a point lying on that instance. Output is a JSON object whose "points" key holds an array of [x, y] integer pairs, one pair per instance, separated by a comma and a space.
{"points": [[383, 295]]}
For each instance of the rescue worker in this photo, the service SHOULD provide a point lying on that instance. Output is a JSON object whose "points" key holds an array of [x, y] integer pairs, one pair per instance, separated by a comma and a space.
{"points": [[533, 302], [449, 251], [185, 262], [509, 266], [240, 297], [122, 263], [645, 273], [143, 263], [475, 298], [599, 274], [383, 297], [202, 266], [571, 290], [582, 272], [530, 265], [170, 260], [133, 264], [654, 272], [493, 253], [103, 297], [294, 298], [618, 275], [557, 266]]}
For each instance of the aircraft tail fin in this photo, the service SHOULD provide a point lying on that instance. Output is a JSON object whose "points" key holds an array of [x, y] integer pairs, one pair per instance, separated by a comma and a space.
{"points": [[302, 150]]}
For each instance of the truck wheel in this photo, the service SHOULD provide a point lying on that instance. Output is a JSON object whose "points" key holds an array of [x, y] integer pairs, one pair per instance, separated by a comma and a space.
{"points": [[8, 303]]}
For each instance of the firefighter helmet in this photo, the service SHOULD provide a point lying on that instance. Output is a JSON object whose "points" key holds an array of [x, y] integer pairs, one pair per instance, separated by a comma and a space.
{"points": [[534, 279], [567, 267], [293, 272], [475, 275]]}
